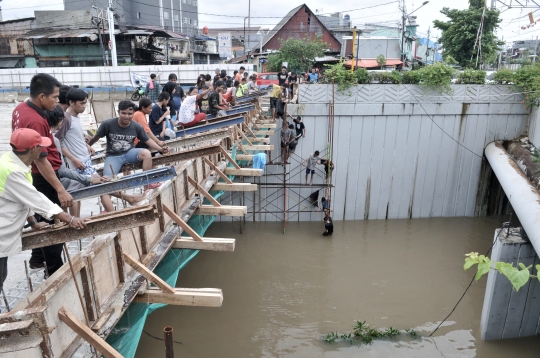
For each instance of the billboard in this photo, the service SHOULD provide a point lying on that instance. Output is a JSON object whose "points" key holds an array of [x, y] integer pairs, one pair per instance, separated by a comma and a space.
{"points": [[225, 44]]}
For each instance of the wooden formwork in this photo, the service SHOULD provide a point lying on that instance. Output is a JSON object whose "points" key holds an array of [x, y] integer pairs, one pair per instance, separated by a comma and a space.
{"points": [[85, 299]]}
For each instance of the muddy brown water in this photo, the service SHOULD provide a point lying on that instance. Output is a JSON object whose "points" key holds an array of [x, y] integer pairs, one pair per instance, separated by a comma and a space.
{"points": [[282, 293]]}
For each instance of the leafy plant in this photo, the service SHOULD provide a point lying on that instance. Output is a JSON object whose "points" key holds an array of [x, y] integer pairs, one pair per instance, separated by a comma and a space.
{"points": [[365, 334], [362, 76], [518, 278], [437, 77], [381, 61], [503, 77], [527, 79], [411, 77], [342, 77], [412, 332], [332, 337], [393, 77], [470, 76]]}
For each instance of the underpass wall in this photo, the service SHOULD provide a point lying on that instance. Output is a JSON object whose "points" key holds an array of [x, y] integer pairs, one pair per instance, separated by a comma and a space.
{"points": [[399, 152]]}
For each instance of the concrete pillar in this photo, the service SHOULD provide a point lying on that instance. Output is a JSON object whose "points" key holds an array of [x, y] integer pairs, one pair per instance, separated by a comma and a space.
{"points": [[534, 127], [507, 313], [208, 59]]}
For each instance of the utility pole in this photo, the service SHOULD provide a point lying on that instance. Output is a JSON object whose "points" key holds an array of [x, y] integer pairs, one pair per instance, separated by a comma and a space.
{"points": [[535, 48], [403, 14], [249, 25], [111, 33], [427, 45], [108, 15], [353, 58]]}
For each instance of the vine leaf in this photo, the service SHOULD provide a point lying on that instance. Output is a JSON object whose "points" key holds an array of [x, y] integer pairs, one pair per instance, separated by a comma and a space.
{"points": [[483, 268], [520, 278], [469, 261]]}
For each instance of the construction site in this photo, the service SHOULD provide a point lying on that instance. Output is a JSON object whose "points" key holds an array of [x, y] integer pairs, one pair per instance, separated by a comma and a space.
{"points": [[389, 145]]}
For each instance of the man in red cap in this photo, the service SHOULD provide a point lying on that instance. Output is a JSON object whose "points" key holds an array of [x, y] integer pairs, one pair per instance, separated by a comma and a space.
{"points": [[19, 199], [44, 92]]}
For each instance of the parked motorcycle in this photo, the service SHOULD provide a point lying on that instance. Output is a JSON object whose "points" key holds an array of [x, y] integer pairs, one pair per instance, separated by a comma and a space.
{"points": [[139, 91]]}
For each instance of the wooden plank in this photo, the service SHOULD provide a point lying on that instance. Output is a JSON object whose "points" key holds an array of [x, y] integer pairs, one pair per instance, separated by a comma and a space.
{"points": [[87, 334], [247, 157], [268, 125], [99, 224], [235, 187], [203, 297], [268, 132], [243, 172], [224, 210], [182, 223], [210, 244], [149, 275], [258, 147], [260, 140], [243, 135], [229, 158], [218, 172], [103, 319], [204, 192], [21, 325]]}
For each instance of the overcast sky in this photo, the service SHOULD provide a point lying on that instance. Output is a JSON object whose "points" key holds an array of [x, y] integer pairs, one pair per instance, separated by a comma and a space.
{"points": [[268, 13]]}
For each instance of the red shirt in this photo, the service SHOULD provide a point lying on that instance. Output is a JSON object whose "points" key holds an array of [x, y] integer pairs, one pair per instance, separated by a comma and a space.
{"points": [[30, 116]]}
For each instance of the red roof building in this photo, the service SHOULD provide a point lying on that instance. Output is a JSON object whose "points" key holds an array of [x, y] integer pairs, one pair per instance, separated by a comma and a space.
{"points": [[299, 23]]}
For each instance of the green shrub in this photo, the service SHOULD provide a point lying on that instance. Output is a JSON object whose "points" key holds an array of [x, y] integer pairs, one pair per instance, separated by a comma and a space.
{"points": [[342, 77], [410, 77], [470, 76], [503, 77], [393, 77], [527, 79], [437, 77], [362, 76]]}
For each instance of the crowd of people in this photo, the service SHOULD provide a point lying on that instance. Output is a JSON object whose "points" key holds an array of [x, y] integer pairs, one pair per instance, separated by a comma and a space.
{"points": [[47, 135]]}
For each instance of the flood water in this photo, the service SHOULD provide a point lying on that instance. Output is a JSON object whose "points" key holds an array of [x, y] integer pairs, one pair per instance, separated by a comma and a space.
{"points": [[282, 293]]}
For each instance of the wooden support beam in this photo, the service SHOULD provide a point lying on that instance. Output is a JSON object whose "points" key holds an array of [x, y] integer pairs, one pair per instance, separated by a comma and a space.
{"points": [[177, 219], [204, 192], [204, 297], [260, 140], [24, 325], [87, 334], [235, 187], [247, 157], [229, 158], [224, 210], [149, 275], [267, 125], [244, 172], [258, 147], [100, 224], [209, 244], [218, 172], [243, 135], [269, 132]]}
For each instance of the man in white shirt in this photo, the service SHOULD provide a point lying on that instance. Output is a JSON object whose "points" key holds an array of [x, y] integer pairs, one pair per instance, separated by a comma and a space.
{"points": [[310, 163], [19, 199]]}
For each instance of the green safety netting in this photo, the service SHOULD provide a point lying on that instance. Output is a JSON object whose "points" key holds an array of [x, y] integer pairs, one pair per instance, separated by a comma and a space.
{"points": [[126, 334]]}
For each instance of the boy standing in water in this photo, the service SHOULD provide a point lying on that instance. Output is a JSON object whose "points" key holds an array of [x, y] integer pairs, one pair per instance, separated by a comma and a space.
{"points": [[329, 227]]}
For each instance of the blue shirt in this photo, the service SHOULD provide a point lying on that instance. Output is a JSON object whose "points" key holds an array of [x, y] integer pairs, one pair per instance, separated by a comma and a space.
{"points": [[313, 77]]}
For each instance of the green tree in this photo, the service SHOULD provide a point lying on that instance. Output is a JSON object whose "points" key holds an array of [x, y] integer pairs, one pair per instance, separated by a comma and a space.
{"points": [[299, 54], [459, 33]]}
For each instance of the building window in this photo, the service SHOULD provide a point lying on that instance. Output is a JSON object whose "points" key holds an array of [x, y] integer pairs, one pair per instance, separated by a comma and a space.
{"points": [[165, 15], [189, 2], [195, 23], [194, 2], [138, 15], [186, 20], [184, 1], [176, 18]]}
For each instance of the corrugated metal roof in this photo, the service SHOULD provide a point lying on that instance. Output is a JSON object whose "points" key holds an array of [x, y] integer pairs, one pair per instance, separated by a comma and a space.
{"points": [[59, 33], [8, 63]]}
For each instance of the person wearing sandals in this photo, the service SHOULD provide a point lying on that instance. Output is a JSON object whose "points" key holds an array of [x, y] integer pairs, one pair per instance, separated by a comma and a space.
{"points": [[121, 133], [189, 113]]}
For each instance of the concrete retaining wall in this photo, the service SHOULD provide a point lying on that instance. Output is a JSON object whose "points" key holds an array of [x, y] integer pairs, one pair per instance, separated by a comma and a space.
{"points": [[398, 152], [108, 76]]}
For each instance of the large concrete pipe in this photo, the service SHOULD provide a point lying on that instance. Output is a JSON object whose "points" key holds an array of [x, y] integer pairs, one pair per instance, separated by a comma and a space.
{"points": [[523, 196]]}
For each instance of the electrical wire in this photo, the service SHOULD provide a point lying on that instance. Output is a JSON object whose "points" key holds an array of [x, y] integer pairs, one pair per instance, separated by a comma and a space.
{"points": [[505, 225], [449, 136]]}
